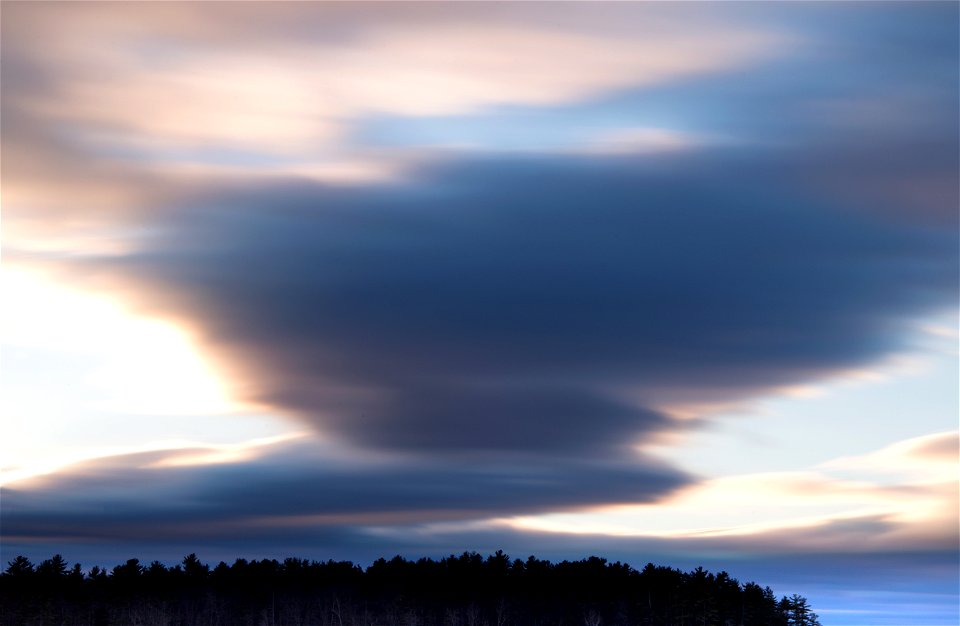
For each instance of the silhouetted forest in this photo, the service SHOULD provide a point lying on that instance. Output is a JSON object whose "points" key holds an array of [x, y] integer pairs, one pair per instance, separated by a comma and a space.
{"points": [[465, 590]]}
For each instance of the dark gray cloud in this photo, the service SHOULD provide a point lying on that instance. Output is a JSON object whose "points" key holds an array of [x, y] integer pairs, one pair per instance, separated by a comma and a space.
{"points": [[138, 497], [497, 416], [538, 303]]}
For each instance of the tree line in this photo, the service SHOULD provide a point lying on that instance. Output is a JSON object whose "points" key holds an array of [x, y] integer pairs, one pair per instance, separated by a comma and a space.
{"points": [[465, 590]]}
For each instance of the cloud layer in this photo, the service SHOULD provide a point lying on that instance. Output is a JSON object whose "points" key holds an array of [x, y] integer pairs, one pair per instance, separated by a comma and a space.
{"points": [[542, 305]]}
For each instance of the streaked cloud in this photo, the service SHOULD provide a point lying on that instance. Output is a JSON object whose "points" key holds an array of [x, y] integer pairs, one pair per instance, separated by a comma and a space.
{"points": [[306, 483], [917, 504], [113, 66]]}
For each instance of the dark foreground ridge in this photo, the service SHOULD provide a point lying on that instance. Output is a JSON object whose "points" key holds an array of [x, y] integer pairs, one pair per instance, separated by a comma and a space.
{"points": [[465, 590]]}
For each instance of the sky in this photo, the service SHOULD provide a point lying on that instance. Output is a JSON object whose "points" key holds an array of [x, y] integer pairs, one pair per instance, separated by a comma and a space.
{"points": [[667, 282]]}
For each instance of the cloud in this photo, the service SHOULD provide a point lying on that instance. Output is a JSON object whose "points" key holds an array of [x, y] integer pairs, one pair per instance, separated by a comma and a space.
{"points": [[131, 110], [502, 298], [167, 494], [929, 457], [126, 108], [147, 83], [453, 417], [793, 511], [944, 446]]}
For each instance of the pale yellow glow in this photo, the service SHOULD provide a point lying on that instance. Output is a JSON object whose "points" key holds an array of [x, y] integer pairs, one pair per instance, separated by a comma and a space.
{"points": [[149, 364], [129, 378], [155, 368]]}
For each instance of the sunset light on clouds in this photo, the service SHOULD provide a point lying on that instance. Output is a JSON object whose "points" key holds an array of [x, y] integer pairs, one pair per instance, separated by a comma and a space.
{"points": [[669, 282]]}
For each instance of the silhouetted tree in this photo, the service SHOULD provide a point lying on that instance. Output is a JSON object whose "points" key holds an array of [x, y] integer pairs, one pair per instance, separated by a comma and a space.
{"points": [[53, 568], [797, 611], [19, 567], [464, 590]]}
